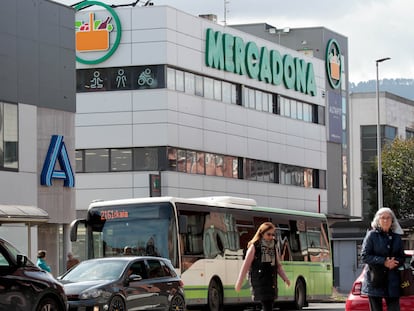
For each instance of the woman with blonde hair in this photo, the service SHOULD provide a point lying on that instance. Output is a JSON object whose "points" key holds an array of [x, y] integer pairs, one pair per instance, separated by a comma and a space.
{"points": [[263, 264]]}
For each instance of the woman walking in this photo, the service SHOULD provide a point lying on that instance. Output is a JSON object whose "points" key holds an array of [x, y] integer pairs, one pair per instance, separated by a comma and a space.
{"points": [[263, 265]]}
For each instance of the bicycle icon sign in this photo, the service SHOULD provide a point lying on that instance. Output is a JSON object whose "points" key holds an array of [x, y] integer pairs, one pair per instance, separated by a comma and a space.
{"points": [[146, 78]]}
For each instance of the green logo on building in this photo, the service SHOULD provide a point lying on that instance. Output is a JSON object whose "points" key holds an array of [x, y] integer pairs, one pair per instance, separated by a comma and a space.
{"points": [[97, 38], [333, 63]]}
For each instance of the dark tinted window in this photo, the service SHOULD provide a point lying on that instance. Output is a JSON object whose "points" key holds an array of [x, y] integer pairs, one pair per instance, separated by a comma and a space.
{"points": [[138, 268], [155, 269]]}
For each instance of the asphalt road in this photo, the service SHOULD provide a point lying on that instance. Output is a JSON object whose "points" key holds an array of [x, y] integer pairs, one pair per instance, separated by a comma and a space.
{"points": [[325, 306]]}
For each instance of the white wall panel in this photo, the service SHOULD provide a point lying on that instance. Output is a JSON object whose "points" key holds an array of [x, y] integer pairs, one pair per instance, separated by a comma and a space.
{"points": [[149, 53], [106, 118], [215, 142], [150, 117], [152, 100], [150, 134], [103, 102], [190, 120], [236, 146], [104, 136], [27, 138]]}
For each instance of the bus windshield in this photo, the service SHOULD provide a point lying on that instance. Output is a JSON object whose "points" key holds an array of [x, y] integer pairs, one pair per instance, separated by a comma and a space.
{"points": [[137, 230]]}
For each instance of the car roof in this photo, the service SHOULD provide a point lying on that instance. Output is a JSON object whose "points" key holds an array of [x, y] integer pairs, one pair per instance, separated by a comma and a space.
{"points": [[127, 258], [409, 252]]}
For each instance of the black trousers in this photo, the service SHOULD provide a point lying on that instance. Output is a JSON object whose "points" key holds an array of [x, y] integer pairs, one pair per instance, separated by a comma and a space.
{"points": [[375, 303], [267, 305]]}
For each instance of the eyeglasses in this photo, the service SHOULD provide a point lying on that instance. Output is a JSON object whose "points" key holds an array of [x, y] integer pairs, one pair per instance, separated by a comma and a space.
{"points": [[385, 218]]}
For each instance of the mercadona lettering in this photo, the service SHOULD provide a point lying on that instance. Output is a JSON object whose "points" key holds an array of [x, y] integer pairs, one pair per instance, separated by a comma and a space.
{"points": [[232, 54]]}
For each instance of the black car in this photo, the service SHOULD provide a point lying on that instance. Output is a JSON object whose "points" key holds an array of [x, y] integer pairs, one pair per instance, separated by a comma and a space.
{"points": [[24, 286], [123, 283]]}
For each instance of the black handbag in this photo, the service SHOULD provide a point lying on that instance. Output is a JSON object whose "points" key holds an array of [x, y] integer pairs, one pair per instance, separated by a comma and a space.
{"points": [[378, 275], [407, 281]]}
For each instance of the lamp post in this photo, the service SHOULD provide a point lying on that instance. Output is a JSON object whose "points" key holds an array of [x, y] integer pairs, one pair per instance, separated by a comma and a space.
{"points": [[379, 190]]}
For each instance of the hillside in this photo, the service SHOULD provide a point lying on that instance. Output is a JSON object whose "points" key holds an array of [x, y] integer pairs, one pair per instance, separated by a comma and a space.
{"points": [[400, 87]]}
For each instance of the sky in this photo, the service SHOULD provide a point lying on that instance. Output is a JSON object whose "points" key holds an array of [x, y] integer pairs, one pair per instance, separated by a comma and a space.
{"points": [[375, 28]]}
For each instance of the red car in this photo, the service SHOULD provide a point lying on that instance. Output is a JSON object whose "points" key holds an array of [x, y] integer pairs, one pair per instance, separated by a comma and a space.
{"points": [[359, 302]]}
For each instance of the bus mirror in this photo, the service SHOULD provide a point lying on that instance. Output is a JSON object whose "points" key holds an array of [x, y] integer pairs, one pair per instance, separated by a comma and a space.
{"points": [[74, 229], [182, 224]]}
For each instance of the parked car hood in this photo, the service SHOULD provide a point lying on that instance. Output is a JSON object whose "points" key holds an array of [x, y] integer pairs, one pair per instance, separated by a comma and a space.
{"points": [[77, 287]]}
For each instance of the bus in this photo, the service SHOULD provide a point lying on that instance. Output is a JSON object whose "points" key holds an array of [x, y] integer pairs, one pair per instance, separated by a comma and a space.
{"points": [[205, 239]]}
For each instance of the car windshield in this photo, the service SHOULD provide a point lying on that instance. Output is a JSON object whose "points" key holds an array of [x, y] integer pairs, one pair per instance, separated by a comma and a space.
{"points": [[14, 251], [96, 270]]}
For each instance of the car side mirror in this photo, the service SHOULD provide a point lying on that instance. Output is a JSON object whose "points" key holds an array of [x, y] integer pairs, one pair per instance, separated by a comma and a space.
{"points": [[21, 260]]}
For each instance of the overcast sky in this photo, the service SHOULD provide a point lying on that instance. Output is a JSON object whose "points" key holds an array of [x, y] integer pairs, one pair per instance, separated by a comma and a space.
{"points": [[375, 28]]}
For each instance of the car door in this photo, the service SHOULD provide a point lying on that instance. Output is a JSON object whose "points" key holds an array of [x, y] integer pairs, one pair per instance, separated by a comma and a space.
{"points": [[138, 287], [15, 293], [160, 285]]}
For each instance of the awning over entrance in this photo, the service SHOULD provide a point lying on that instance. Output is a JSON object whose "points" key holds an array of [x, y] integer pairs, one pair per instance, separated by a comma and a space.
{"points": [[29, 215], [22, 214]]}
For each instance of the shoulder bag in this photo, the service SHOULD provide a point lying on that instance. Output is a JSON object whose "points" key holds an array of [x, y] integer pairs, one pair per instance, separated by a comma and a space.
{"points": [[407, 281]]}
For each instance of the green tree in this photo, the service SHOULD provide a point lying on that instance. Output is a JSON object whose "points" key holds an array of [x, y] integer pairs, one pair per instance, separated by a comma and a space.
{"points": [[398, 178]]}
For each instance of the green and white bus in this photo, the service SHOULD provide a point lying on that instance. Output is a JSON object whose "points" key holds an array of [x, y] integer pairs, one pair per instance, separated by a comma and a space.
{"points": [[205, 239]]}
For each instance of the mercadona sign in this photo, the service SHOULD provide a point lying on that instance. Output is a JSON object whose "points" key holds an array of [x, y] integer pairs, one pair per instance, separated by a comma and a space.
{"points": [[232, 54]]}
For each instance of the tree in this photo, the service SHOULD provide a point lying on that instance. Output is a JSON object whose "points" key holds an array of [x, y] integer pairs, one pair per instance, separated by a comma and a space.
{"points": [[398, 178]]}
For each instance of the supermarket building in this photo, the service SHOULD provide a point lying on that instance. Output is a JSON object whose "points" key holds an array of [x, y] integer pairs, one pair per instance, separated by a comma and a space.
{"points": [[179, 105], [167, 104]]}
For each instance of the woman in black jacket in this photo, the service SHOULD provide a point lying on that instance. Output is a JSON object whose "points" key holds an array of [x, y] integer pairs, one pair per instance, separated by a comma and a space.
{"points": [[382, 251], [262, 262]]}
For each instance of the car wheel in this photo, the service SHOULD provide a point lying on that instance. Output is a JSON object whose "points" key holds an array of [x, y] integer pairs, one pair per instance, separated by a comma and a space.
{"points": [[300, 295], [215, 297], [117, 304], [177, 303], [48, 304]]}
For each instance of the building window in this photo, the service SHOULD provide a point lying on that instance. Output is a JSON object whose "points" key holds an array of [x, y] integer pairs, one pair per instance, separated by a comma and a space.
{"points": [[96, 160], [368, 155], [121, 160], [9, 136], [409, 133], [196, 162], [79, 156], [146, 159], [189, 83], [172, 159]]}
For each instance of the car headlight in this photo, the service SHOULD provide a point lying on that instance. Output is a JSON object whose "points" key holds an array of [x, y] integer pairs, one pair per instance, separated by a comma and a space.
{"points": [[91, 293]]}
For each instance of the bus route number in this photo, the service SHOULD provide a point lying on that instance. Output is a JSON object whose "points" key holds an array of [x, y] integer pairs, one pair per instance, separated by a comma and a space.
{"points": [[113, 214]]}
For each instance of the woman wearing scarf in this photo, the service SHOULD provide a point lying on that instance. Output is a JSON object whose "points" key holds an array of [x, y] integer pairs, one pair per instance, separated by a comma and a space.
{"points": [[263, 265]]}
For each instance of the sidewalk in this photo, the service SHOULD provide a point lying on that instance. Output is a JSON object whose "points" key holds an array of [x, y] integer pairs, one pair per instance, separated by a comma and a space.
{"points": [[337, 296]]}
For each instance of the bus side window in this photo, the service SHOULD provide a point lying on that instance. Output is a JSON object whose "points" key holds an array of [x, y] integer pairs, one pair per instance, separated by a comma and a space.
{"points": [[195, 240], [295, 242]]}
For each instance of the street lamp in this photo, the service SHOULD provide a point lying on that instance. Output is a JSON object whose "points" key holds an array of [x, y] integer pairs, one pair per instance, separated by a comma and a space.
{"points": [[379, 190]]}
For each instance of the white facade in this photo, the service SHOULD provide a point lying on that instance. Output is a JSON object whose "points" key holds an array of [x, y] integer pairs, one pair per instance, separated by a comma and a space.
{"points": [[161, 35], [395, 111]]}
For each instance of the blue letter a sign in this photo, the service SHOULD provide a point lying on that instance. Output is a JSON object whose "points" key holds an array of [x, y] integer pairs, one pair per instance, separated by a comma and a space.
{"points": [[57, 152]]}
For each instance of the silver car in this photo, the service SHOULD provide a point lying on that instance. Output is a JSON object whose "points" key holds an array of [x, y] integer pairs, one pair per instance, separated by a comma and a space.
{"points": [[123, 283]]}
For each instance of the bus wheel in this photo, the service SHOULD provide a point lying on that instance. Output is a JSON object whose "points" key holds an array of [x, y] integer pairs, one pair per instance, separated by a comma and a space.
{"points": [[300, 295], [215, 297]]}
